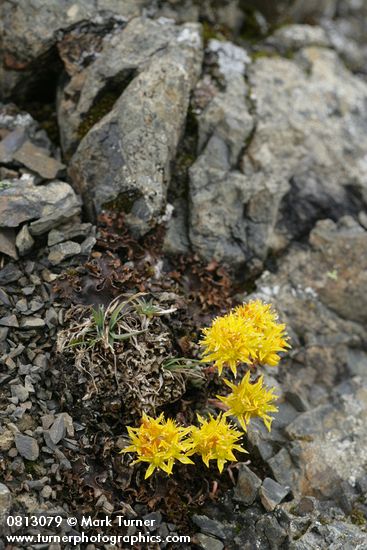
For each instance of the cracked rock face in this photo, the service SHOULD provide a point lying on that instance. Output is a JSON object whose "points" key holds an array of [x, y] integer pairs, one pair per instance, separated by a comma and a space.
{"points": [[123, 55], [329, 444], [125, 158], [218, 192], [320, 450], [303, 130]]}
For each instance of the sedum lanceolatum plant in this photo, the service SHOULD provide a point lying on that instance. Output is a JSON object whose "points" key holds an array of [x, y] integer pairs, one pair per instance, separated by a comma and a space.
{"points": [[215, 439], [160, 443], [248, 400], [250, 334], [246, 338]]}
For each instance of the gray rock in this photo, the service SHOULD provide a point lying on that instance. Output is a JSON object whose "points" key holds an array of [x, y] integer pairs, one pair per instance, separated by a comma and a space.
{"points": [[319, 289], [20, 392], [87, 245], [18, 127], [269, 530], [24, 241], [9, 321], [176, 239], [334, 535], [35, 305], [38, 161], [7, 243], [217, 191], [121, 56], [20, 147], [266, 443], [246, 534], [51, 318], [309, 424], [9, 274], [247, 487], [68, 233], [27, 446], [11, 143], [272, 493], [32, 322], [283, 468], [232, 60], [209, 526], [46, 492], [48, 441], [44, 224], [345, 250], [4, 298], [211, 229], [5, 500], [334, 451], [60, 252], [208, 543], [124, 160], [62, 423], [37, 484], [294, 37], [28, 290], [22, 201], [298, 401]]}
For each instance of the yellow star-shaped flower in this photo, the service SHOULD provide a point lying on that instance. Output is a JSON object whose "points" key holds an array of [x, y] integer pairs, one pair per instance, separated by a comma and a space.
{"points": [[249, 400]]}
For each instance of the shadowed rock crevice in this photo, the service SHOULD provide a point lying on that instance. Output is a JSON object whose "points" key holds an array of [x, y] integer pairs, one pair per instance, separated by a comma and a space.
{"points": [[307, 202], [37, 79], [176, 240], [35, 93]]}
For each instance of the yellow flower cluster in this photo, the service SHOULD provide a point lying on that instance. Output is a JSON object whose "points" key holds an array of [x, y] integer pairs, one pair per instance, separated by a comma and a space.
{"points": [[249, 400], [215, 439], [249, 334], [161, 442], [229, 341]]}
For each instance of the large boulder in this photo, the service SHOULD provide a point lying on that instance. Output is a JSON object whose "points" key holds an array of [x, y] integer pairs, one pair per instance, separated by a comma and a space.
{"points": [[124, 160], [123, 55]]}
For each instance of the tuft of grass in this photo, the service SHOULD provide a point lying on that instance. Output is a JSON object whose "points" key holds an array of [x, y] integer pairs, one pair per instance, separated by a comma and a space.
{"points": [[150, 309], [106, 326], [121, 349], [190, 368]]}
